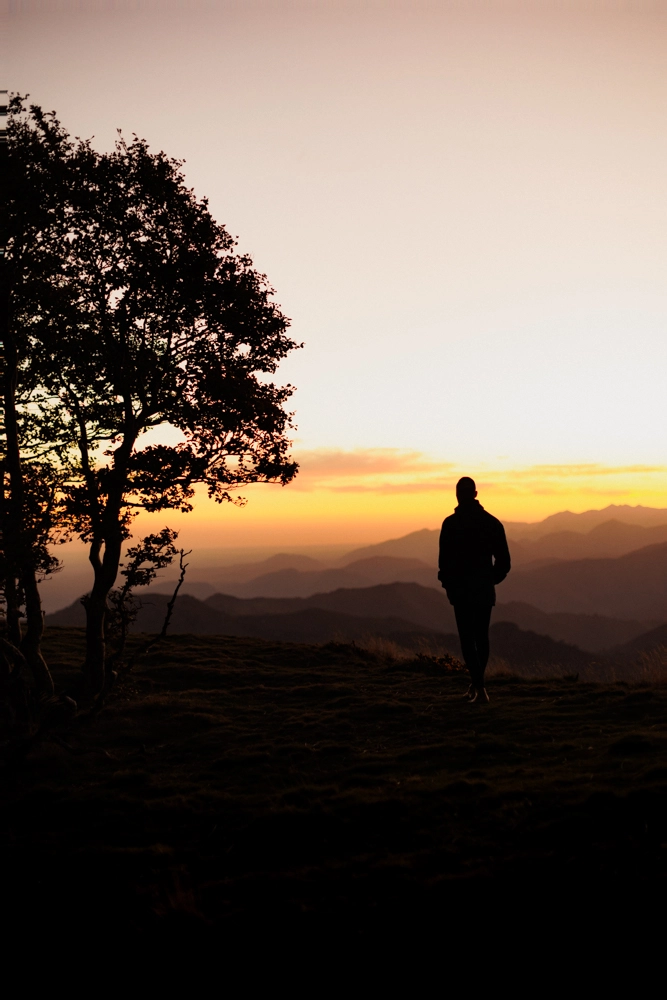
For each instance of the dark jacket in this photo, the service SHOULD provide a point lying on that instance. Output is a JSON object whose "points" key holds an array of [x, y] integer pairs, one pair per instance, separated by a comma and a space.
{"points": [[473, 555]]}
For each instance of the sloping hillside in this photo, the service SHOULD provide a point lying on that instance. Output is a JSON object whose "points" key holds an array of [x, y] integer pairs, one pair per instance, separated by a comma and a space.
{"points": [[584, 522], [321, 625], [243, 572], [307, 625], [377, 610], [361, 573], [228, 579], [594, 633], [421, 545], [190, 615], [633, 586], [654, 639], [294, 583], [608, 540], [424, 606], [521, 648], [419, 605]]}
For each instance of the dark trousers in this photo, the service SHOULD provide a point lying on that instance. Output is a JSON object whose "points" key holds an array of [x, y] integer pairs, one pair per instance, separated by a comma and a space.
{"points": [[472, 621]]}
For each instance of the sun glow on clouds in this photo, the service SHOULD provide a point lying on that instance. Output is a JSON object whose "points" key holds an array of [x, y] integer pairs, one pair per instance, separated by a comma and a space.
{"points": [[368, 494], [461, 206], [393, 471], [365, 469]]}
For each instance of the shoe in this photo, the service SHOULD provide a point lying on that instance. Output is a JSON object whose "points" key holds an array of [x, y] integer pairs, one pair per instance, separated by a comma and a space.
{"points": [[480, 697], [470, 693]]}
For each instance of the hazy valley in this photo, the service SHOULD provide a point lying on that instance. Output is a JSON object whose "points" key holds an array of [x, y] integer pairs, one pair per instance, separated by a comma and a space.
{"points": [[594, 592]]}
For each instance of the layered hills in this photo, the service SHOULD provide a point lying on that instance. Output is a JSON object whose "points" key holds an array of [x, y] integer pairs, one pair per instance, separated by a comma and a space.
{"points": [[565, 520], [428, 608], [631, 586], [647, 642], [588, 580], [565, 537], [368, 572], [407, 614], [613, 531], [319, 625], [300, 623], [609, 538]]}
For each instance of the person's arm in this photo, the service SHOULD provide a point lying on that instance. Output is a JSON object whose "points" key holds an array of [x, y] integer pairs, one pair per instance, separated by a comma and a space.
{"points": [[444, 556], [502, 563]]}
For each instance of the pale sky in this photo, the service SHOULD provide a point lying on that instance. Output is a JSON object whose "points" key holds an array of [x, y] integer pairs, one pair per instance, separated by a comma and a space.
{"points": [[461, 207]]}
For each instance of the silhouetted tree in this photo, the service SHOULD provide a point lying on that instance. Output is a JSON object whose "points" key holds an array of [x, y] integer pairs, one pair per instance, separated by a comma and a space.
{"points": [[38, 162], [31, 522], [148, 318]]}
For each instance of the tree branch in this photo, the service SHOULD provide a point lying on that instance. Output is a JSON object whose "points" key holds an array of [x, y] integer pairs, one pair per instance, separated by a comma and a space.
{"points": [[167, 618]]}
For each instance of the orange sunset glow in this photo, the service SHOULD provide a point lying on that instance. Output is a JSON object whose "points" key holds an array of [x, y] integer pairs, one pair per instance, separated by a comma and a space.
{"points": [[460, 207], [365, 496]]}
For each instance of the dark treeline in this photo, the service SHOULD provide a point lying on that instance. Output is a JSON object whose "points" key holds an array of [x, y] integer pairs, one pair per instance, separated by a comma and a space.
{"points": [[124, 307]]}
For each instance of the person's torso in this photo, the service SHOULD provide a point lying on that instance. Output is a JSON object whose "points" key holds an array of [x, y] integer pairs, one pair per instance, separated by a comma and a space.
{"points": [[470, 540]]}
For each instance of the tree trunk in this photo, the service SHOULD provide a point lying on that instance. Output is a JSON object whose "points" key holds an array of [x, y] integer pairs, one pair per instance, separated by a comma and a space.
{"points": [[13, 609], [93, 667], [32, 640], [11, 586], [17, 551], [106, 571]]}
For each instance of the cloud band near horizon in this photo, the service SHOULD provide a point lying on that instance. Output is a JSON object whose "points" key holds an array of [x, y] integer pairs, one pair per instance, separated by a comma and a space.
{"points": [[366, 495]]}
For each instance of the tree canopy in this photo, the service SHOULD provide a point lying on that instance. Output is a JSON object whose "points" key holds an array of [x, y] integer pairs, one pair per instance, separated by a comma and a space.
{"points": [[130, 309]]}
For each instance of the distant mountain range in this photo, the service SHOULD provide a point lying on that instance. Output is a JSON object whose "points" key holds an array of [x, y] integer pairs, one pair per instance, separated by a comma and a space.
{"points": [[609, 539], [590, 580], [596, 535], [631, 589], [317, 625], [631, 586], [423, 544], [413, 558], [304, 624], [593, 633], [430, 609], [647, 517], [406, 613], [361, 573], [643, 643], [420, 606]]}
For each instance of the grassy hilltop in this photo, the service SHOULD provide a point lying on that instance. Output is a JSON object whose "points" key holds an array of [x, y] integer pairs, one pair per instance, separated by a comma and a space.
{"points": [[236, 781]]}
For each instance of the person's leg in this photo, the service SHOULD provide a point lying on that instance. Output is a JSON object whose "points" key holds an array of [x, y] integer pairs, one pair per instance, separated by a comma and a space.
{"points": [[465, 623], [482, 620]]}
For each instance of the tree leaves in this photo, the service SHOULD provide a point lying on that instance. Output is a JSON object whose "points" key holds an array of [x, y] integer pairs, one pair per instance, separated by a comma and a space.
{"points": [[131, 309]]}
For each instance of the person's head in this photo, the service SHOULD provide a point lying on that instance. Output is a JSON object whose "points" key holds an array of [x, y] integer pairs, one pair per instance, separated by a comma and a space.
{"points": [[466, 489]]}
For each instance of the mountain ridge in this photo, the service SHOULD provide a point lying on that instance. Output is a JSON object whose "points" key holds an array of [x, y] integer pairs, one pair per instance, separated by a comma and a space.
{"points": [[317, 625], [384, 610], [630, 586]]}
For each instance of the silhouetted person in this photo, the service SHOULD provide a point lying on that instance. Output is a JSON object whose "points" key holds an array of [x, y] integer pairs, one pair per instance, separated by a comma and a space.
{"points": [[473, 557]]}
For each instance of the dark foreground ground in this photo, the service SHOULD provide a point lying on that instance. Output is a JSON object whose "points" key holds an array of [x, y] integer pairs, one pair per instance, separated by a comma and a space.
{"points": [[237, 785]]}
